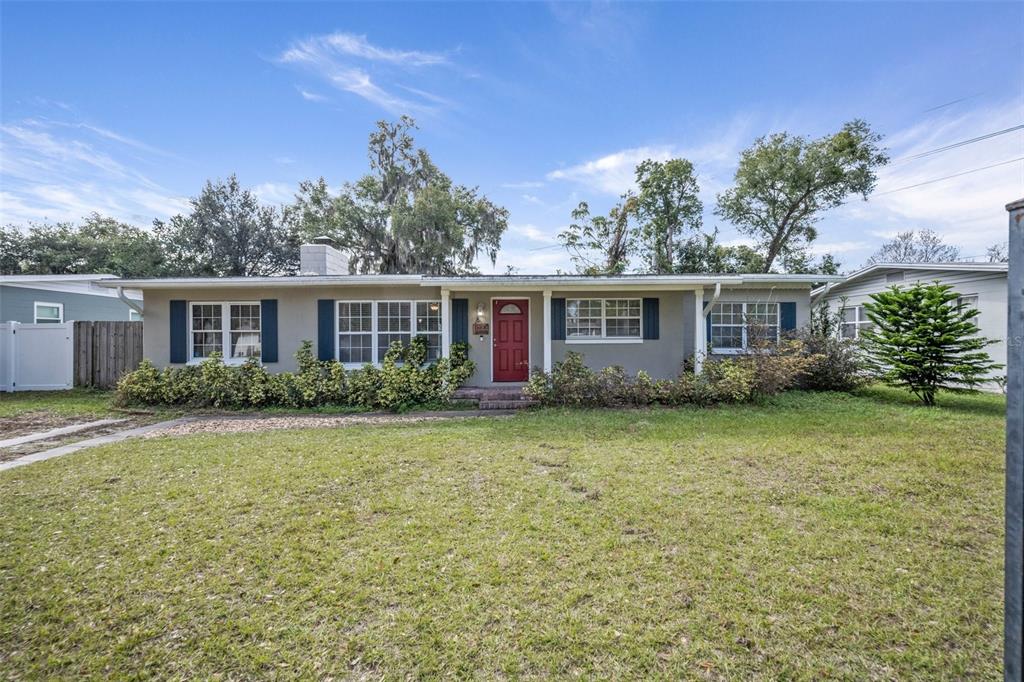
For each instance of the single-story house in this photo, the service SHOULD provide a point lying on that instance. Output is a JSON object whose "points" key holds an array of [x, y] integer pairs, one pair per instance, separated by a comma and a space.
{"points": [[510, 323], [47, 299], [980, 285]]}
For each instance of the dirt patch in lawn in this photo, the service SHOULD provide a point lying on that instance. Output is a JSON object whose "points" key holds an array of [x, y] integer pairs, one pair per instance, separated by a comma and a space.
{"points": [[55, 422], [36, 422]]}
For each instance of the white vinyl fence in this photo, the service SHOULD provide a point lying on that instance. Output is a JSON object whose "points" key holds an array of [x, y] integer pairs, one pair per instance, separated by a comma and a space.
{"points": [[36, 357]]}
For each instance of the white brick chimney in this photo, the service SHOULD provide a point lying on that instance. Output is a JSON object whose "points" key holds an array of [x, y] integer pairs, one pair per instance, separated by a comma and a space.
{"points": [[321, 258]]}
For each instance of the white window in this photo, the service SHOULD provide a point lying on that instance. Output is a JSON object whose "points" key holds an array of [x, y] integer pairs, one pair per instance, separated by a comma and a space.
{"points": [[366, 329], [855, 321], [355, 332], [612, 319], [134, 316], [231, 329], [735, 325], [428, 325], [49, 313], [970, 301], [394, 323]]}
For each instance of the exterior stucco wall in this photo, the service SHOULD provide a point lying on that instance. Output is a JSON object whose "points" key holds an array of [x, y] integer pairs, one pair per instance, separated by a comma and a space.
{"points": [[802, 298], [297, 321], [17, 304], [662, 358], [296, 313]]}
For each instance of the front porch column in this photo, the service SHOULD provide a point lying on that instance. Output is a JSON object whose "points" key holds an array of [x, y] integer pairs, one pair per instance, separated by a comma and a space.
{"points": [[446, 323], [547, 330], [699, 335]]}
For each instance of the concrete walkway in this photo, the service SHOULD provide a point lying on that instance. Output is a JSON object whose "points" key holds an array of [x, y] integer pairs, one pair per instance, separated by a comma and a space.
{"points": [[62, 431], [90, 443], [250, 423]]}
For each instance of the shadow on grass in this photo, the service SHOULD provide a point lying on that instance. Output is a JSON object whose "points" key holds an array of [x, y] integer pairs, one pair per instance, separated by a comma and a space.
{"points": [[973, 402]]}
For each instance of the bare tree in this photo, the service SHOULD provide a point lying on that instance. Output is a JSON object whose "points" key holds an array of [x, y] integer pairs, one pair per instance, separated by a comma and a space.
{"points": [[922, 246]]}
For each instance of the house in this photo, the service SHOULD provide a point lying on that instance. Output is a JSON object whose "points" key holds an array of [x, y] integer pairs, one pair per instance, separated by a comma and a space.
{"points": [[980, 285], [510, 323], [45, 299]]}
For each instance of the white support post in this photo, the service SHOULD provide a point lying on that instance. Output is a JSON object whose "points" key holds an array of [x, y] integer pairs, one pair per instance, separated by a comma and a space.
{"points": [[699, 340], [446, 323], [547, 330]]}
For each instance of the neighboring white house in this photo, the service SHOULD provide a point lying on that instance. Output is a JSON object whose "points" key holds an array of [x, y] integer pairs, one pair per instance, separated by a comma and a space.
{"points": [[981, 285]]}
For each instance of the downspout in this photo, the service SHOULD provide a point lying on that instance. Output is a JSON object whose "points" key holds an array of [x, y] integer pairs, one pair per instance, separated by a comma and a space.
{"points": [[130, 303], [714, 298]]}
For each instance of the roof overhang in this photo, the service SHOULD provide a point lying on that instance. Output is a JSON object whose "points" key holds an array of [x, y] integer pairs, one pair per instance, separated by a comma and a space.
{"points": [[483, 283], [994, 268]]}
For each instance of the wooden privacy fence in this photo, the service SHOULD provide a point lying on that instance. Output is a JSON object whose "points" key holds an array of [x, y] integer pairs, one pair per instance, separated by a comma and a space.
{"points": [[106, 350]]}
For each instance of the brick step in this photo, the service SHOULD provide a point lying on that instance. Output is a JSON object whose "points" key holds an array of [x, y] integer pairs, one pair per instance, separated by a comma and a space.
{"points": [[506, 404]]}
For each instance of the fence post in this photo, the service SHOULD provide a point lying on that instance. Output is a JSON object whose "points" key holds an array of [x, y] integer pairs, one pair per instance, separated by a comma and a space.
{"points": [[1014, 560]]}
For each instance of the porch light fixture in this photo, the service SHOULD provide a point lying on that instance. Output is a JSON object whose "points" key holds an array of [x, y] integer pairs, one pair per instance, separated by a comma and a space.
{"points": [[479, 312]]}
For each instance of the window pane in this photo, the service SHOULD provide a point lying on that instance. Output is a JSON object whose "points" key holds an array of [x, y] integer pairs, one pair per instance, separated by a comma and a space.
{"points": [[354, 317], [207, 317], [355, 348], [849, 330], [510, 309], [205, 344], [428, 316], [727, 336], [849, 314], [245, 317], [245, 344], [583, 317], [384, 342], [47, 313], [624, 328], [393, 316], [433, 346]]}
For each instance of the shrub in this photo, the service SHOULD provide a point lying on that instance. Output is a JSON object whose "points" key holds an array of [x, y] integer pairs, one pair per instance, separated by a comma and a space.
{"points": [[403, 380], [924, 340], [837, 364]]}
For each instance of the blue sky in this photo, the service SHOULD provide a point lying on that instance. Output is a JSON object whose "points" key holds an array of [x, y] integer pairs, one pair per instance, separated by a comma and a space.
{"points": [[127, 109]]}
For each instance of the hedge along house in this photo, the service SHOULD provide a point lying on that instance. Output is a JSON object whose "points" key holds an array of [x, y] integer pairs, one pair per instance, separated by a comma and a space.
{"points": [[510, 323]]}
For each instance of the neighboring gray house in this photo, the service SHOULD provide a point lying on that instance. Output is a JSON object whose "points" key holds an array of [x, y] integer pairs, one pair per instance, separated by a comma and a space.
{"points": [[62, 298], [981, 285], [511, 323]]}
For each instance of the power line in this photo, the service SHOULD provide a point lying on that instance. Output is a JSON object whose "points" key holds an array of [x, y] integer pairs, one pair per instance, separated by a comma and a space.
{"points": [[947, 177], [961, 143]]}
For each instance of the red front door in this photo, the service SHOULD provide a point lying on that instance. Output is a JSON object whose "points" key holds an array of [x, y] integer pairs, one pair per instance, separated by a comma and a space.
{"points": [[511, 339]]}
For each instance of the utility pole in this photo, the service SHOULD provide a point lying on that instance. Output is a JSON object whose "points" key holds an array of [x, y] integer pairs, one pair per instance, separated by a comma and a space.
{"points": [[1014, 566]]}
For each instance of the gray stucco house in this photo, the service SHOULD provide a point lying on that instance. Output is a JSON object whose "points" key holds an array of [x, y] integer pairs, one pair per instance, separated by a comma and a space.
{"points": [[39, 299], [510, 323], [980, 285]]}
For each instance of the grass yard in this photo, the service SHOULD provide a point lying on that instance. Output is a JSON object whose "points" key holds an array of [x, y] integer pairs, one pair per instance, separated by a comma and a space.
{"points": [[818, 536]]}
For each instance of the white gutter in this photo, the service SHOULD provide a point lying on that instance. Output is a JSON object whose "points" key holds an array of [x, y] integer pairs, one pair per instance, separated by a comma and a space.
{"points": [[714, 298], [129, 302]]}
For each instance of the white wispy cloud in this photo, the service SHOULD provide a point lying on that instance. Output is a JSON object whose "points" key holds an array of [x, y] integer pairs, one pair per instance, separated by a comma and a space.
{"points": [[311, 96], [967, 210], [343, 60], [529, 184], [59, 170], [274, 192], [714, 161]]}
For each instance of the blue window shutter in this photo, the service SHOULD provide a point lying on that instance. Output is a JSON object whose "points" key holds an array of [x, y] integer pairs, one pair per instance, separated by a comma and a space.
{"points": [[325, 329], [707, 321], [179, 331], [651, 317], [268, 330], [460, 320], [558, 319], [787, 316]]}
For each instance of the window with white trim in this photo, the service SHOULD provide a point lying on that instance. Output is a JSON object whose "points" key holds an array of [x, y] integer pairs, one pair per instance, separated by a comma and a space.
{"points": [[735, 325], [970, 301], [355, 332], [855, 321], [229, 328], [366, 329], [602, 318], [48, 313], [134, 316], [428, 325]]}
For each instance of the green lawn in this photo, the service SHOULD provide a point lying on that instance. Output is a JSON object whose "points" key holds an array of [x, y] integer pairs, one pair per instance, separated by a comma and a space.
{"points": [[818, 536], [77, 402]]}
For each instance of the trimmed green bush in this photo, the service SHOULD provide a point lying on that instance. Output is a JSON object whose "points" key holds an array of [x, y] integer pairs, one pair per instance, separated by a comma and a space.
{"points": [[763, 372], [403, 380]]}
